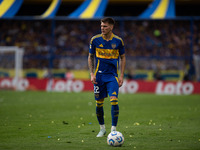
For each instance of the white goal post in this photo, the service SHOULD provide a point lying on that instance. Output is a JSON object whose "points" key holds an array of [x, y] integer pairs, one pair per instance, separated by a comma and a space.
{"points": [[11, 57]]}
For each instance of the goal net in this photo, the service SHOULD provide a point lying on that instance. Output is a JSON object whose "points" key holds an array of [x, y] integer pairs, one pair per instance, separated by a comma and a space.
{"points": [[11, 62]]}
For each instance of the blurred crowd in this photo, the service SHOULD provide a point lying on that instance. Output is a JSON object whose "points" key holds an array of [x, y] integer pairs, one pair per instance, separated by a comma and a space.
{"points": [[149, 45]]}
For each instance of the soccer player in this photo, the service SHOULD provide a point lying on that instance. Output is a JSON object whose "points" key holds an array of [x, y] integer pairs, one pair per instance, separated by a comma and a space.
{"points": [[106, 48]]}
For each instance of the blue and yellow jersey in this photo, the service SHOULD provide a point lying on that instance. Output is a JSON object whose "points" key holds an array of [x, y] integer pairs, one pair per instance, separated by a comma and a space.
{"points": [[107, 53]]}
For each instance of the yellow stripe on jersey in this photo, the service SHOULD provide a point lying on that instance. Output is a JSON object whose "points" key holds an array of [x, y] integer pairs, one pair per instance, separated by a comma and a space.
{"points": [[107, 53], [117, 71], [97, 68], [94, 37], [117, 80], [117, 37]]}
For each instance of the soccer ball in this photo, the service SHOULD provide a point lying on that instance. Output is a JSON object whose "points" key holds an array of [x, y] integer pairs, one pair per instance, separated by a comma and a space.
{"points": [[115, 138]]}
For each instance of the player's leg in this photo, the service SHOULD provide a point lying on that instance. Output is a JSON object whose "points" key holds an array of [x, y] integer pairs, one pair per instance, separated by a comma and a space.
{"points": [[100, 94], [100, 111], [114, 112], [100, 117], [113, 88]]}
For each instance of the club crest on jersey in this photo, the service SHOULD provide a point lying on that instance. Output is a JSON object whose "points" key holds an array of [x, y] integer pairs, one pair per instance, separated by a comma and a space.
{"points": [[113, 45]]}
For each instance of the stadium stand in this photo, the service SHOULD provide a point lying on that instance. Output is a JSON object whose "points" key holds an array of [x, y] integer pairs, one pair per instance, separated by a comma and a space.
{"points": [[62, 43]]}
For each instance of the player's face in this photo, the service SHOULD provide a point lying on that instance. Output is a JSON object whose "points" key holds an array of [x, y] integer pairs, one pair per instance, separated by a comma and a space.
{"points": [[106, 28]]}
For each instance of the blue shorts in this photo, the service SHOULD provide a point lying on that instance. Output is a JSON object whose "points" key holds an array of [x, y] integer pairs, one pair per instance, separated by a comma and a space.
{"points": [[106, 85]]}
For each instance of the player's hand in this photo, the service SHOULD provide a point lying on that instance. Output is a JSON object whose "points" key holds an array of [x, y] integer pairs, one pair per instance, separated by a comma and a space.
{"points": [[93, 78], [120, 81]]}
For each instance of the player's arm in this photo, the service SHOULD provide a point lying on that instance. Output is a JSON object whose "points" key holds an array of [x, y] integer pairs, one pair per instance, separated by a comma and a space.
{"points": [[91, 67], [123, 64]]}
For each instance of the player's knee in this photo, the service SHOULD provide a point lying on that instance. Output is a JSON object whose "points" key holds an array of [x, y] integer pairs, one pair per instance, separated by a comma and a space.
{"points": [[99, 103], [114, 100]]}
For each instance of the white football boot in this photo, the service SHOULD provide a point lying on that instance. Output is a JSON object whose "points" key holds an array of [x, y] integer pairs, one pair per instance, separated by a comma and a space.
{"points": [[101, 133], [113, 128]]}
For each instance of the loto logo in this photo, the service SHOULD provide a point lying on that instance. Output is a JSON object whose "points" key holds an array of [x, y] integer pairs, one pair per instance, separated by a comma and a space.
{"points": [[177, 88], [68, 85], [129, 87], [18, 84]]}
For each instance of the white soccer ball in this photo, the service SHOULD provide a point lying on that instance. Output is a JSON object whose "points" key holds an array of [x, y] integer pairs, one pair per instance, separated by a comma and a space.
{"points": [[115, 138]]}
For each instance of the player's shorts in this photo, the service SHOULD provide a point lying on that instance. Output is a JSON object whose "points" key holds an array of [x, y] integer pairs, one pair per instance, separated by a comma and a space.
{"points": [[106, 85]]}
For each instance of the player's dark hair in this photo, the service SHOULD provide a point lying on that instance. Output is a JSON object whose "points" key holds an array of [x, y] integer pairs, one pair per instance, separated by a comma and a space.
{"points": [[108, 20]]}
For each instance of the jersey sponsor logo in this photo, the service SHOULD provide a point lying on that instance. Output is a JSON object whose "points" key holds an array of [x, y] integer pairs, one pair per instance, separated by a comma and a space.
{"points": [[107, 53]]}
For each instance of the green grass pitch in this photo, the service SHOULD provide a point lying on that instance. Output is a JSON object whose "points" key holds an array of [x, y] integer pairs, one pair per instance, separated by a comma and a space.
{"points": [[67, 121]]}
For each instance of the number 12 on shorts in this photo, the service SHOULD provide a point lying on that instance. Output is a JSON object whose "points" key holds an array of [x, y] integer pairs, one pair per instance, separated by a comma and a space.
{"points": [[96, 89]]}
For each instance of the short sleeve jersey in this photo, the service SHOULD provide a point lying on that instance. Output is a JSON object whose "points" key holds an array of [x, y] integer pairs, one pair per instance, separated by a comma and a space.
{"points": [[107, 53]]}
